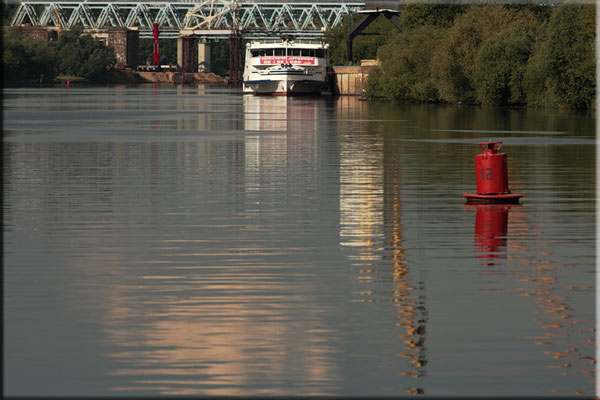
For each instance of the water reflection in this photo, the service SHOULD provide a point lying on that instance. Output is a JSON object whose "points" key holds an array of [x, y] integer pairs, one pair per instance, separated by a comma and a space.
{"points": [[280, 113], [540, 279], [491, 224], [227, 301], [250, 246], [202, 338], [371, 231], [568, 340], [285, 141]]}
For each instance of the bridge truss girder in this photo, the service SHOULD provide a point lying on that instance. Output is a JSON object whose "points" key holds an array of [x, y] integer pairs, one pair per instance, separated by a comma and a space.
{"points": [[255, 19]]}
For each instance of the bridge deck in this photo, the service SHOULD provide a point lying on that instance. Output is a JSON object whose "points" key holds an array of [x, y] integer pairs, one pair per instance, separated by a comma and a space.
{"points": [[255, 18]]}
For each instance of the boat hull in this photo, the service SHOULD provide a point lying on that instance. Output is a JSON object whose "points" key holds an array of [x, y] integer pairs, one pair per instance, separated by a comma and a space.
{"points": [[285, 85]]}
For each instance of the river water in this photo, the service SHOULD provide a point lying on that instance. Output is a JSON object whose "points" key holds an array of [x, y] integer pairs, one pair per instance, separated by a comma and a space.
{"points": [[173, 240]]}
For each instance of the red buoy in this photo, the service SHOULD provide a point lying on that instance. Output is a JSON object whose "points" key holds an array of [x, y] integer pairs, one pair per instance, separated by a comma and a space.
{"points": [[491, 175]]}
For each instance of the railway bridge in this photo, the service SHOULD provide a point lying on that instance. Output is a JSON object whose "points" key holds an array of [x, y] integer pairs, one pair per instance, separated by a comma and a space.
{"points": [[194, 23]]}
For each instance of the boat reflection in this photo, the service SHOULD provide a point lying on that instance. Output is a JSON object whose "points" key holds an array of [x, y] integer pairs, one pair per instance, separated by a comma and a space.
{"points": [[284, 142], [280, 113]]}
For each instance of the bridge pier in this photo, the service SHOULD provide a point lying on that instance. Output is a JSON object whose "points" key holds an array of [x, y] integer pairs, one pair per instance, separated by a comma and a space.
{"points": [[204, 61], [193, 55], [125, 42], [186, 53], [37, 32]]}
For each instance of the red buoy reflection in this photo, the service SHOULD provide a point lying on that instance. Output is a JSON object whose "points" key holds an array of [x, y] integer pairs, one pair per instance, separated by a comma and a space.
{"points": [[491, 226]]}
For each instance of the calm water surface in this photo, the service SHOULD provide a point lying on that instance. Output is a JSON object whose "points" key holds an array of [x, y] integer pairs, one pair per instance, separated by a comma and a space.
{"points": [[181, 240]]}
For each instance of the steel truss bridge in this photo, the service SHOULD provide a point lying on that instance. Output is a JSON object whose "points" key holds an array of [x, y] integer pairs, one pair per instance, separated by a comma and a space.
{"points": [[209, 19]]}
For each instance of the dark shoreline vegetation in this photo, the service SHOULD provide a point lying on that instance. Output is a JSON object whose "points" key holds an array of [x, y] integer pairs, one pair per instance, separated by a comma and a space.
{"points": [[496, 55], [26, 60]]}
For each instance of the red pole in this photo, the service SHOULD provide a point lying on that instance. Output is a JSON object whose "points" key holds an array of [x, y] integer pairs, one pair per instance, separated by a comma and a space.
{"points": [[155, 55]]}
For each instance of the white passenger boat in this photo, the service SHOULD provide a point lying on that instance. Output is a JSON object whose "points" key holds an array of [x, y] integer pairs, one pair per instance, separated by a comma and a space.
{"points": [[286, 67]]}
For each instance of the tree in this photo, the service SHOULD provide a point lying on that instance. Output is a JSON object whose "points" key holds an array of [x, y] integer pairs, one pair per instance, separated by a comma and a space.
{"points": [[562, 70], [168, 51], [8, 11], [364, 46], [441, 15], [453, 65], [99, 60], [336, 38], [500, 64], [82, 55], [220, 53], [405, 66], [27, 60], [13, 56]]}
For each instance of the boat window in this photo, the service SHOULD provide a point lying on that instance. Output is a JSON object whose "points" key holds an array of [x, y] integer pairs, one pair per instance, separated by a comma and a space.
{"points": [[255, 53], [320, 53], [279, 52], [308, 52], [294, 52]]}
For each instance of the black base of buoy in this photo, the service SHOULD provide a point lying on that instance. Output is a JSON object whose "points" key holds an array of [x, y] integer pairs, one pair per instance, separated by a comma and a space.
{"points": [[503, 198]]}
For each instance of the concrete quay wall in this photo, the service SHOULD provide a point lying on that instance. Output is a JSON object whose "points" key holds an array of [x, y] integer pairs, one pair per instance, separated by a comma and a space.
{"points": [[351, 80]]}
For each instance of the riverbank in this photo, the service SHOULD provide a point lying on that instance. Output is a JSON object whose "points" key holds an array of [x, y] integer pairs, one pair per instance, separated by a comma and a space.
{"points": [[128, 76]]}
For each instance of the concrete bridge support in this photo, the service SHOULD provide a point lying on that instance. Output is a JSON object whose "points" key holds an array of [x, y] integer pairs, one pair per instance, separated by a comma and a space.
{"points": [[36, 32], [193, 55], [204, 61], [186, 53]]}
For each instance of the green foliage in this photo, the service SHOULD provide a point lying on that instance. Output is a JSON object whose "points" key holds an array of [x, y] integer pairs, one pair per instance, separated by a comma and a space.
{"points": [[442, 15], [81, 55], [562, 70], [145, 49], [167, 50], [8, 11], [100, 58], [453, 64], [500, 64], [365, 45], [220, 56], [406, 61], [28, 60], [69, 55], [336, 38], [373, 87], [513, 54]]}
